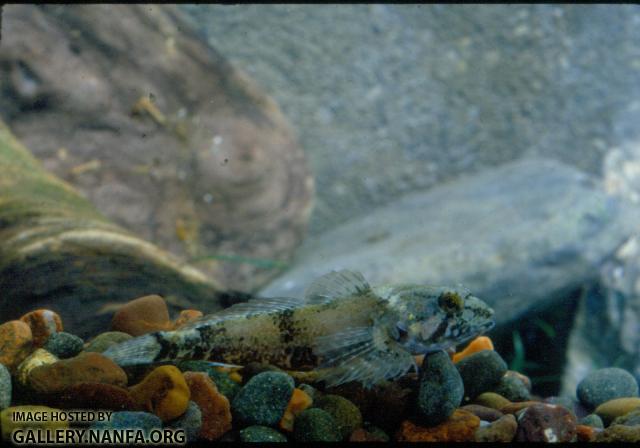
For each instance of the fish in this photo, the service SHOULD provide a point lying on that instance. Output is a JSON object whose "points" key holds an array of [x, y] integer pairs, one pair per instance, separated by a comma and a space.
{"points": [[343, 329]]}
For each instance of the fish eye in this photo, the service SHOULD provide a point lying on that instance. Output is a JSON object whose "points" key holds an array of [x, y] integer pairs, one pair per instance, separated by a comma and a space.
{"points": [[450, 301]]}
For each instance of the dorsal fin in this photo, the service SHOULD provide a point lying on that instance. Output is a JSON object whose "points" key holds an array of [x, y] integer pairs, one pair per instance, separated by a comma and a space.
{"points": [[335, 285], [364, 354], [245, 309]]}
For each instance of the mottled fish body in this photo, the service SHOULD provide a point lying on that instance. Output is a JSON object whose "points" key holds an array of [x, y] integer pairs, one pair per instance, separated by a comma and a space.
{"points": [[343, 327]]}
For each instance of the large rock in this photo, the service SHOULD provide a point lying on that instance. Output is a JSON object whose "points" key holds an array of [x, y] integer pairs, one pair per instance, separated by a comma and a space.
{"points": [[159, 131], [397, 98], [519, 236]]}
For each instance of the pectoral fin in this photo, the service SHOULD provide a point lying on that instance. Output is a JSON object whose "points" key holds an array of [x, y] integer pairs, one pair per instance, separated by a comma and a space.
{"points": [[364, 354]]}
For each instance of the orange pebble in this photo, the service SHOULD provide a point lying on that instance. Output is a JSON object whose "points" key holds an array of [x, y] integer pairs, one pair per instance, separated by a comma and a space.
{"points": [[142, 315], [585, 433], [299, 401], [43, 323], [478, 344]]}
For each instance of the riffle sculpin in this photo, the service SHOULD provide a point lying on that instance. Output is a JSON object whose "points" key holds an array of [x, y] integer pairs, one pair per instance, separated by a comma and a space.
{"points": [[343, 328]]}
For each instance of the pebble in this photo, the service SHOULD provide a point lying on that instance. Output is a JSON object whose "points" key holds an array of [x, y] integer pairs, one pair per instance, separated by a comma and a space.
{"points": [[316, 425], [84, 368], [542, 422], [481, 372], [299, 401], [491, 400], [619, 433], [585, 433], [513, 388], [5, 387], [263, 400], [64, 345], [460, 427], [368, 434], [478, 344], [254, 368], [310, 390], [483, 412], [346, 415], [592, 420], [43, 324], [611, 409], [142, 315], [40, 357], [130, 419], [215, 408], [514, 408], [16, 343], [163, 392], [606, 384], [105, 340], [190, 422], [441, 389], [628, 419], [502, 430], [259, 433], [8, 424], [226, 386], [94, 396], [185, 317]]}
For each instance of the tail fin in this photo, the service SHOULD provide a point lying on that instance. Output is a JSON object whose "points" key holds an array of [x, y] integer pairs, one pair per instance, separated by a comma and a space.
{"points": [[140, 350]]}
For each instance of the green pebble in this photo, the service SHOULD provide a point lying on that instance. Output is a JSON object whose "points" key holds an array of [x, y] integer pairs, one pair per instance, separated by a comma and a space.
{"points": [[64, 345], [481, 372], [259, 433], [263, 400], [629, 419], [513, 388], [5, 387], [190, 422], [105, 340], [607, 384], [310, 390], [346, 415], [592, 420], [441, 389], [315, 425], [376, 432], [226, 386]]}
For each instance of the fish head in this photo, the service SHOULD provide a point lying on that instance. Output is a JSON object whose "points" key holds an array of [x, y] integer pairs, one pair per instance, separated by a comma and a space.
{"points": [[429, 318]]}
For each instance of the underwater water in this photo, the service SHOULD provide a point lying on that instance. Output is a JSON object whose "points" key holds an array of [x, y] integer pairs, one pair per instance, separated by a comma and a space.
{"points": [[367, 188]]}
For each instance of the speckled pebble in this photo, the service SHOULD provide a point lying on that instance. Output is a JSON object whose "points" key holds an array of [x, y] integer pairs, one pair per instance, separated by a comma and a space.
{"points": [[190, 421], [481, 372], [592, 420], [5, 387], [513, 388], [105, 340], [43, 324], [263, 400], [542, 422], [259, 433], [611, 409], [619, 433], [40, 357], [502, 430], [316, 425], [441, 388], [128, 419], [629, 419], [607, 384], [346, 415], [64, 345]]}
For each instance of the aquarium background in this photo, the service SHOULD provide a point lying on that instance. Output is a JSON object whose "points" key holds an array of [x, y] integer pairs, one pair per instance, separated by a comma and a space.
{"points": [[492, 146]]}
